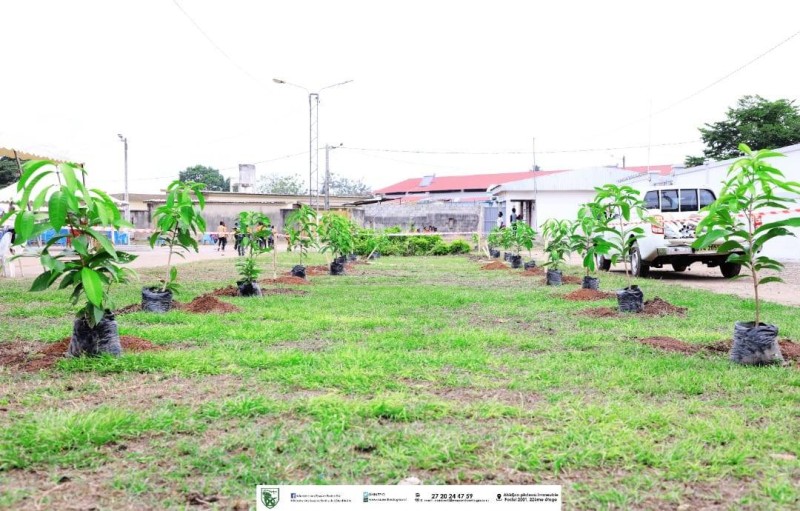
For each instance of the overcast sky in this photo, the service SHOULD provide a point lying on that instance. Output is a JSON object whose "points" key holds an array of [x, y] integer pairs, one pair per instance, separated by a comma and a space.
{"points": [[428, 76]]}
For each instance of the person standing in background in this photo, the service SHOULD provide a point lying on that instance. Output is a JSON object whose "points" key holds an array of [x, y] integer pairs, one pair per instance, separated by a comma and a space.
{"points": [[222, 237], [513, 216], [499, 219]]}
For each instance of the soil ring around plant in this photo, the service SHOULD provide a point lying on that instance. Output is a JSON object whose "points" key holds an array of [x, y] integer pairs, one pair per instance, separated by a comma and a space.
{"points": [[588, 295], [321, 269], [30, 357], [495, 265], [208, 303], [789, 349], [654, 307]]}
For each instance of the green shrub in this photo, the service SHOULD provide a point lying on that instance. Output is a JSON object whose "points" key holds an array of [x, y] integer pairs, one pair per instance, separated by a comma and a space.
{"points": [[459, 247], [440, 248]]}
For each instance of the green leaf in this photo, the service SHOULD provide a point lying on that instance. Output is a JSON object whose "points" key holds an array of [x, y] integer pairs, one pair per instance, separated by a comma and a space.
{"points": [[29, 169], [43, 281], [767, 280], [57, 210], [93, 286], [104, 242], [23, 226], [81, 245]]}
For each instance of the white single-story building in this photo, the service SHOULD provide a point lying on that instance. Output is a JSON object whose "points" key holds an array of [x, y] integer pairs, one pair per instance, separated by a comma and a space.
{"points": [[557, 195]]}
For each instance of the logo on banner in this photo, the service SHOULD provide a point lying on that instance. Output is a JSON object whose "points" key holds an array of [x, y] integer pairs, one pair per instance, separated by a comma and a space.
{"points": [[270, 497]]}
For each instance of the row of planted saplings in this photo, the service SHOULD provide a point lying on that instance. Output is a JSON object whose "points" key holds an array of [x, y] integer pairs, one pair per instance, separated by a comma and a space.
{"points": [[53, 196], [604, 227]]}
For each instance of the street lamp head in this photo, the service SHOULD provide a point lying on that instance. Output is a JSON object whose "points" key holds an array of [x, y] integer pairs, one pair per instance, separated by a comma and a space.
{"points": [[120, 136], [276, 80]]}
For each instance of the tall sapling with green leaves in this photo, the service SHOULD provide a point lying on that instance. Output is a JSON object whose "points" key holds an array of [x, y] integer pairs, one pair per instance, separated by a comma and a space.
{"points": [[336, 236], [557, 247], [301, 229], [178, 223], [254, 243], [618, 206], [92, 266], [520, 236], [752, 185], [587, 240]]}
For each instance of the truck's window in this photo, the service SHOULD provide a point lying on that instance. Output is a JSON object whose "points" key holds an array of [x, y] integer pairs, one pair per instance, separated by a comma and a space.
{"points": [[706, 198], [669, 200], [689, 200], [651, 200]]}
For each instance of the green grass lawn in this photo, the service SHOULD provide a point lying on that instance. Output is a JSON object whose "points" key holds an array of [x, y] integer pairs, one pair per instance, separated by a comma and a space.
{"points": [[426, 367]]}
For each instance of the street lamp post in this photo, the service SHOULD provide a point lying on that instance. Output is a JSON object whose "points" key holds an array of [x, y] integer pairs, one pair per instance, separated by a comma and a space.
{"points": [[125, 196], [313, 138]]}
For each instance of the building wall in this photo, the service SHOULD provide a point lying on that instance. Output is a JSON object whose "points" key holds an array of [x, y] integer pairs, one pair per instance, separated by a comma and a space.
{"points": [[446, 217]]}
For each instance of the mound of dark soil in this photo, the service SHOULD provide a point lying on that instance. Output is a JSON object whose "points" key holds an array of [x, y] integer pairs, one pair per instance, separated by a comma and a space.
{"points": [[588, 295], [134, 307], [23, 356], [565, 279], [654, 307], [224, 291], [789, 349], [207, 303], [659, 307], [494, 265], [318, 270], [534, 272]]}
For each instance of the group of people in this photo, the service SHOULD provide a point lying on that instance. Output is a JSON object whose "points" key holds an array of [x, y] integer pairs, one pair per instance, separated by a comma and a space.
{"points": [[513, 217], [265, 238]]}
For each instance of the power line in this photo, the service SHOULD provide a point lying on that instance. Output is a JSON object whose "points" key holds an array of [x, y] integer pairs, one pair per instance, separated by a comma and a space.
{"points": [[527, 152], [705, 88], [215, 45]]}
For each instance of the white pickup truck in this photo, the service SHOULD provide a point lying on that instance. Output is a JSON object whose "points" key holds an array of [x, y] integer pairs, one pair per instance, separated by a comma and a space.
{"points": [[668, 240]]}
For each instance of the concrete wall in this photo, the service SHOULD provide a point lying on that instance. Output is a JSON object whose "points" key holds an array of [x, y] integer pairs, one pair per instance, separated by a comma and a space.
{"points": [[446, 217]]}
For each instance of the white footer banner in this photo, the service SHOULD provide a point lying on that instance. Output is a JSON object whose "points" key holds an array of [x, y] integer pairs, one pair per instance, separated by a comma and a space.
{"points": [[477, 497]]}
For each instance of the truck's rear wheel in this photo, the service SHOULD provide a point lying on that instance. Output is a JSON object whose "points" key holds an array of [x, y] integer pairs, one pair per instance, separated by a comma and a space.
{"points": [[639, 268], [730, 270], [602, 263], [679, 267]]}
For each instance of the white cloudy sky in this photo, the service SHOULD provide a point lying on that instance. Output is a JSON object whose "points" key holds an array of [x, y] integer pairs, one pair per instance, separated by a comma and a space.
{"points": [[451, 76]]}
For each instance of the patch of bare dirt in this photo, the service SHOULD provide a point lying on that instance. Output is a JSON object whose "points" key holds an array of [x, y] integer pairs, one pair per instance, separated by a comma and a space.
{"points": [[26, 356], [494, 265], [659, 307], [588, 295], [208, 304], [321, 269], [566, 279], [225, 291], [134, 307], [481, 395], [789, 349], [534, 272], [670, 344], [654, 307], [290, 280]]}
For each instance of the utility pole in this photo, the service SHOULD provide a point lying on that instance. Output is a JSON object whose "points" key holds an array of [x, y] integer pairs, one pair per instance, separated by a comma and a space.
{"points": [[327, 185], [313, 138], [125, 195], [534, 155]]}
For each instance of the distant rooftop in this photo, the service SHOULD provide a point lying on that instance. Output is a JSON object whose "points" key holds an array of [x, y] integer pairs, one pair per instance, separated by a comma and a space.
{"points": [[480, 182]]}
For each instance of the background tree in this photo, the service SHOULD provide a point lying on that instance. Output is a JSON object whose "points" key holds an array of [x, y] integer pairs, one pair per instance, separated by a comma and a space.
{"points": [[757, 122], [211, 177], [342, 186], [280, 184], [9, 173]]}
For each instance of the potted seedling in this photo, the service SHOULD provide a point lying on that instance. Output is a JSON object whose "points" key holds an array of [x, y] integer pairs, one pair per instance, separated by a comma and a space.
{"points": [[617, 205], [506, 242], [301, 227], [255, 244], [521, 236], [336, 236], [752, 184], [557, 247], [92, 266], [587, 240], [178, 223], [494, 240]]}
